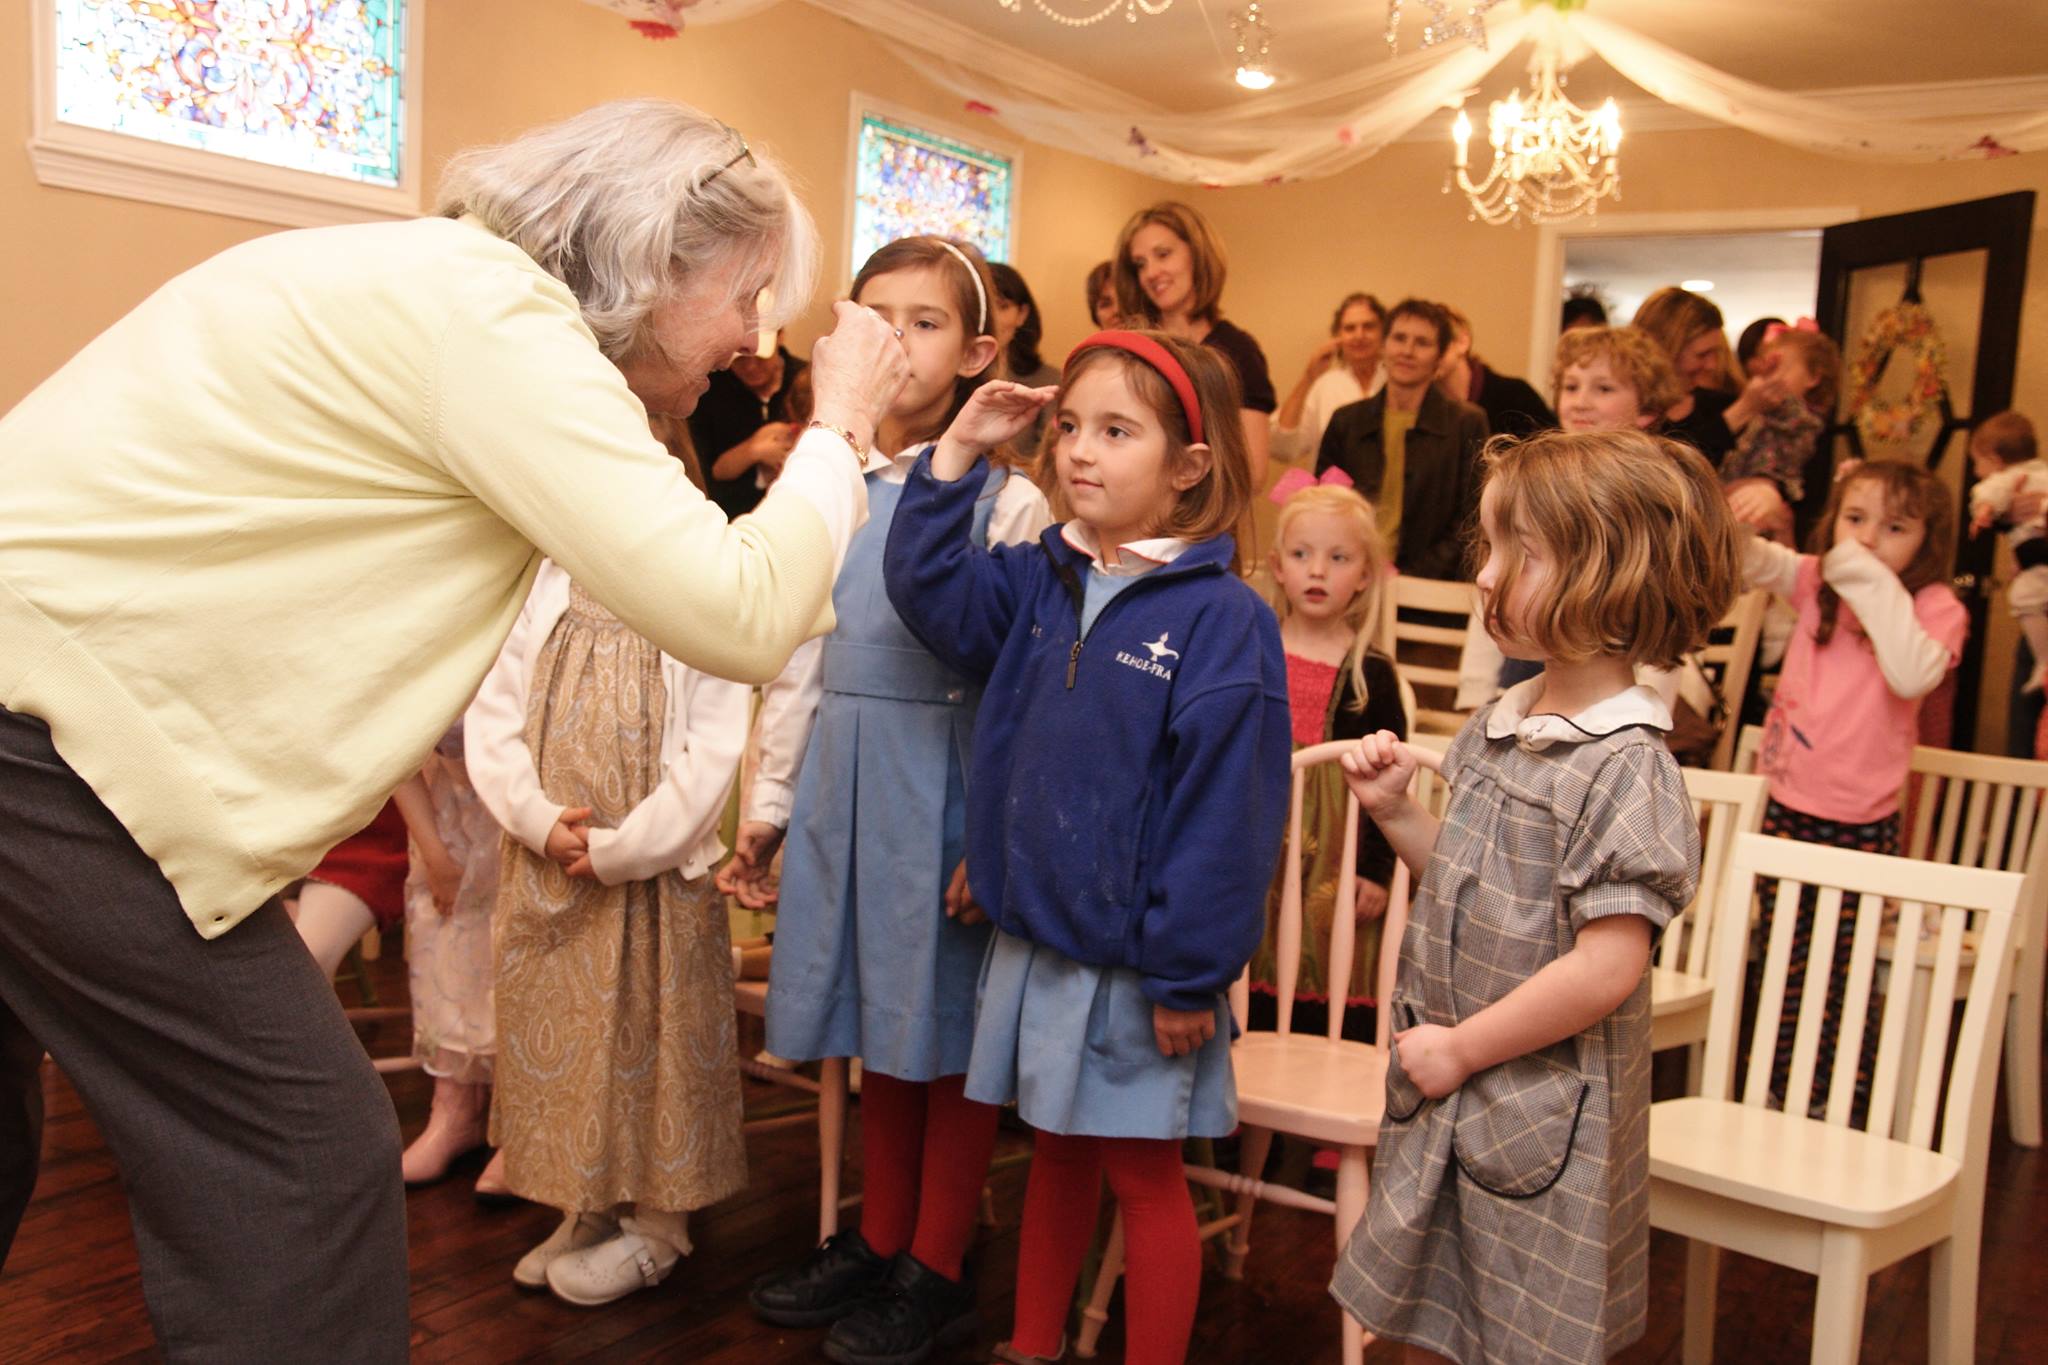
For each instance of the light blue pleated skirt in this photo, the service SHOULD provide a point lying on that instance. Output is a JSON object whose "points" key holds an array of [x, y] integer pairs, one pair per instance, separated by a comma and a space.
{"points": [[1072, 1046]]}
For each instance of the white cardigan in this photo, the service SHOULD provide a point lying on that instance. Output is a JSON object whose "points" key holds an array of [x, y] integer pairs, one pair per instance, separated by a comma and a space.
{"points": [[677, 825]]}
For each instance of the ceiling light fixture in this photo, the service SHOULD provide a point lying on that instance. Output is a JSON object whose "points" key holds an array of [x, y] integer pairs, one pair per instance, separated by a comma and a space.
{"points": [[1254, 41], [1442, 27], [1697, 286], [1551, 159], [1131, 8]]}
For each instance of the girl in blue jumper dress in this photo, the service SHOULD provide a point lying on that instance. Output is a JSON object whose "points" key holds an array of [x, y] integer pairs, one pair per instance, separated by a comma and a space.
{"points": [[867, 961], [1131, 778]]}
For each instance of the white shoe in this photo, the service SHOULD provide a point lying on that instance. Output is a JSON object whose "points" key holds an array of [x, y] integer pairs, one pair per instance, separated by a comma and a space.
{"points": [[578, 1230], [631, 1261]]}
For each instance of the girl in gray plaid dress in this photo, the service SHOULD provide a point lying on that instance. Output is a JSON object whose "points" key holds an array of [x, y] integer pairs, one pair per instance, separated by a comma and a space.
{"points": [[1508, 1217]]}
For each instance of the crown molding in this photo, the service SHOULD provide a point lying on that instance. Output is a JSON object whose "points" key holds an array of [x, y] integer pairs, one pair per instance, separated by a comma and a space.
{"points": [[1640, 113], [907, 22]]}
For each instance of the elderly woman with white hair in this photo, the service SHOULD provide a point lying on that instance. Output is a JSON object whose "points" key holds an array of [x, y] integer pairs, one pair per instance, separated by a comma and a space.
{"points": [[261, 540]]}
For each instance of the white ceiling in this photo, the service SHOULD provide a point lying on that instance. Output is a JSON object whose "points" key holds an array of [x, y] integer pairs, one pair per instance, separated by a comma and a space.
{"points": [[1182, 60]]}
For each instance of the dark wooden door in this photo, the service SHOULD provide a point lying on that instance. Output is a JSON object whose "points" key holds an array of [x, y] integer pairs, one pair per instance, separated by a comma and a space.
{"points": [[1999, 227]]}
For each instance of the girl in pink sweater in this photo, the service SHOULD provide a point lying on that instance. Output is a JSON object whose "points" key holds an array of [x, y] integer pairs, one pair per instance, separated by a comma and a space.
{"points": [[1879, 628]]}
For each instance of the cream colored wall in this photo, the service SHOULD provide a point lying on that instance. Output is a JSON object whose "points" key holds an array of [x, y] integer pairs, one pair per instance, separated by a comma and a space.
{"points": [[71, 263]]}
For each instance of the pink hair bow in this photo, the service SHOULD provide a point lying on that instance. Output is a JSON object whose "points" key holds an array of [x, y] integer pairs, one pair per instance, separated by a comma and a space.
{"points": [[1778, 329], [1294, 480]]}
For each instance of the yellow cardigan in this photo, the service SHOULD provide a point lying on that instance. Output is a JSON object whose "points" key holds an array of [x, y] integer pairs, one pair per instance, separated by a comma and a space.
{"points": [[262, 538]]}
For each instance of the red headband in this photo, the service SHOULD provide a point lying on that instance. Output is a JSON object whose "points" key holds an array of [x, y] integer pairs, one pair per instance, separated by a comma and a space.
{"points": [[1160, 359]]}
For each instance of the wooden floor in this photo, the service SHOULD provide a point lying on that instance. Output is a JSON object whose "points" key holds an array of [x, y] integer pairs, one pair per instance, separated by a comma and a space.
{"points": [[69, 1291]]}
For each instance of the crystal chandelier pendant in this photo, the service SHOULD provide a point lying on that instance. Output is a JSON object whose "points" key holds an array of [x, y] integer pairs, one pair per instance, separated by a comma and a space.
{"points": [[1254, 43], [1552, 160]]}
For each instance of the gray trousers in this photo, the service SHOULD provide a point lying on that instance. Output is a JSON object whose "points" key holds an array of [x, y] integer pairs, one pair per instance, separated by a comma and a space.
{"points": [[257, 1144]]}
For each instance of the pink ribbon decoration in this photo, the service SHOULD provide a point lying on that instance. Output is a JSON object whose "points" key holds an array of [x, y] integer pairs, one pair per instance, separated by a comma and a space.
{"points": [[1778, 329], [1294, 480]]}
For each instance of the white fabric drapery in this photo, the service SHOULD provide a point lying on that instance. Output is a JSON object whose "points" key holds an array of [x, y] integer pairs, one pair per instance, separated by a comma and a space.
{"points": [[1802, 120], [1300, 134]]}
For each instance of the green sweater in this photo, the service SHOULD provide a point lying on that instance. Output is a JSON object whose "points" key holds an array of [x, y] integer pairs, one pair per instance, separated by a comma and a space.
{"points": [[262, 538]]}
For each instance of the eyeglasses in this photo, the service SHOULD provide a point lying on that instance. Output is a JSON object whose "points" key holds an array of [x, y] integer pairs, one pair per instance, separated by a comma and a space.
{"points": [[745, 154]]}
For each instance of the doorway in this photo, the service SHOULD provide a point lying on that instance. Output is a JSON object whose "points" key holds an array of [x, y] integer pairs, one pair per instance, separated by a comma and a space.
{"points": [[1747, 275], [1761, 263]]}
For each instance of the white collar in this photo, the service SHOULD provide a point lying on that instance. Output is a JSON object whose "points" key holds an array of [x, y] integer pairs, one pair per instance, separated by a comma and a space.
{"points": [[900, 462], [1638, 705], [1133, 556]]}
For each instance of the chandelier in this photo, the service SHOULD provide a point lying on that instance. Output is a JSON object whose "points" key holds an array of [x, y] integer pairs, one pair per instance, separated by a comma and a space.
{"points": [[1551, 159], [1254, 42], [1131, 8], [1442, 25]]}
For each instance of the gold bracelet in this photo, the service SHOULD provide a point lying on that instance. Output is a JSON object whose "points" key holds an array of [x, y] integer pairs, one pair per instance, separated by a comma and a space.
{"points": [[860, 452]]}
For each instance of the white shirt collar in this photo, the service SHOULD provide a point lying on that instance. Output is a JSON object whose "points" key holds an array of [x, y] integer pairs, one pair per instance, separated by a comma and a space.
{"points": [[899, 464], [1639, 705], [1133, 556]]}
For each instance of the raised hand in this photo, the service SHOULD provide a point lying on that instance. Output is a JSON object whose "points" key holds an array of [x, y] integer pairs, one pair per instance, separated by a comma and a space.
{"points": [[998, 411], [857, 371], [1320, 358], [1759, 504]]}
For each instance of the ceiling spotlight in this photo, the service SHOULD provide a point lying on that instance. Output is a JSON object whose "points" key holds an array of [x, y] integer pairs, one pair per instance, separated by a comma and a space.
{"points": [[1697, 286]]}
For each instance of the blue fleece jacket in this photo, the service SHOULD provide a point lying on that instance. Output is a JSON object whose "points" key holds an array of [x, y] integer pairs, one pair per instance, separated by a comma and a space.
{"points": [[1130, 786]]}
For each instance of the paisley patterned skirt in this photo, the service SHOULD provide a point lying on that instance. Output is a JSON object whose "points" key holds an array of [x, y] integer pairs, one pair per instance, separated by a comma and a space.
{"points": [[616, 1073]]}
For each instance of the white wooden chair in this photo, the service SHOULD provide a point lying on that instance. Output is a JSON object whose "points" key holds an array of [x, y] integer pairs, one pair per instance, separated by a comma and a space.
{"points": [[1974, 810], [1681, 975], [1427, 654], [1324, 1089], [1730, 662], [1749, 747], [1727, 1170], [1993, 812]]}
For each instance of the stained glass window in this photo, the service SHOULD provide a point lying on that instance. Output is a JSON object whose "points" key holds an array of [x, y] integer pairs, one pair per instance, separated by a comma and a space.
{"points": [[312, 85], [908, 181]]}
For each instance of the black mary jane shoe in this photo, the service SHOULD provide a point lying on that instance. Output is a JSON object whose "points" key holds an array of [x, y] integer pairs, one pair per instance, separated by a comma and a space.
{"points": [[838, 1277], [914, 1313]]}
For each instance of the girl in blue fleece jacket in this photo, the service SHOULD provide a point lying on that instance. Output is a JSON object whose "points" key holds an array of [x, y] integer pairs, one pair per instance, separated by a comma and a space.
{"points": [[1131, 780]]}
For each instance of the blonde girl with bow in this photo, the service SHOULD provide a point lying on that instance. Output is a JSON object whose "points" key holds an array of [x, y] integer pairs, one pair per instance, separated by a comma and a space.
{"points": [[1330, 570]]}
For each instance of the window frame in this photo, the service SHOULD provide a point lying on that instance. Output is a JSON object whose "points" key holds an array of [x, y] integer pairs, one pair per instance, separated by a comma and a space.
{"points": [[69, 156], [863, 106]]}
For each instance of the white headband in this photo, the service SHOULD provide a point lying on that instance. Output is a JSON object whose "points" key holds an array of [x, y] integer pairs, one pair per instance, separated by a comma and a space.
{"points": [[980, 294]]}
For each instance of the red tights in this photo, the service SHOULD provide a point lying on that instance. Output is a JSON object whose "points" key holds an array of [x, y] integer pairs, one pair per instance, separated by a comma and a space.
{"points": [[1162, 1252], [924, 1159]]}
